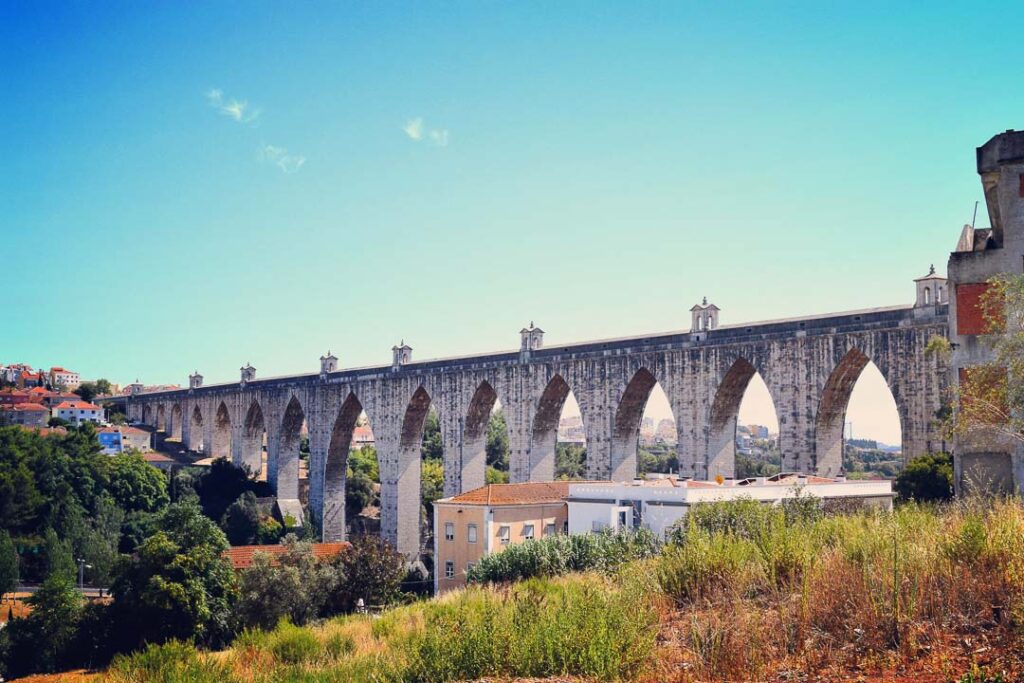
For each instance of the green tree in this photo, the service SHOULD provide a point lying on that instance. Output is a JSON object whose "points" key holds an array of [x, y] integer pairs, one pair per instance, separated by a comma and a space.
{"points": [[497, 441], [433, 447], [86, 390], [570, 461], [44, 641], [495, 476], [359, 494], [118, 418], [241, 522], [8, 564], [296, 586], [178, 584], [431, 482], [103, 387], [60, 560], [135, 485], [926, 478], [371, 570]]}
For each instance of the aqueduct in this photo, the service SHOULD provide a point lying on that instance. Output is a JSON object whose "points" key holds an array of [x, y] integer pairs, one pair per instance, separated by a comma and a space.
{"points": [[808, 364]]}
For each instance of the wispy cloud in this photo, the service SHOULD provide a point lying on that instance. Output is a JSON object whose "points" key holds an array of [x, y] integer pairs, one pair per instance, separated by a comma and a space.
{"points": [[414, 129], [239, 110], [417, 132], [279, 156], [439, 137]]}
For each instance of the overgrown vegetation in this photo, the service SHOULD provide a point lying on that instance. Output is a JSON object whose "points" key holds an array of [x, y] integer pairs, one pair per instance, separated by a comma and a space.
{"points": [[560, 554], [597, 627]]}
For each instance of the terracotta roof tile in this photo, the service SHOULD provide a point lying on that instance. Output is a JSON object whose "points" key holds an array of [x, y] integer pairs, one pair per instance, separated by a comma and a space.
{"points": [[241, 556], [528, 493]]}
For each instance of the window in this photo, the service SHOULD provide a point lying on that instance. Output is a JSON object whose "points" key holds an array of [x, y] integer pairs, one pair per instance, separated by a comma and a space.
{"points": [[449, 531], [549, 529], [449, 569], [469, 566], [504, 533], [471, 533], [622, 519], [527, 531], [565, 527], [927, 295]]}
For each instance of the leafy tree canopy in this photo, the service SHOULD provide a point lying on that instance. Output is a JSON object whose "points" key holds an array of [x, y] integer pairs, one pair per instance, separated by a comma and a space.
{"points": [[926, 478]]}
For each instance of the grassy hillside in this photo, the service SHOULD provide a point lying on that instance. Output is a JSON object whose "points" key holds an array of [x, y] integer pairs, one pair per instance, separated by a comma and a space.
{"points": [[743, 593]]}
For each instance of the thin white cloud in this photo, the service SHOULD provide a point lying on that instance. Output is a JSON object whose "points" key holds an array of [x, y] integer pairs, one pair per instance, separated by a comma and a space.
{"points": [[439, 137], [417, 132], [238, 110], [280, 157], [414, 129]]}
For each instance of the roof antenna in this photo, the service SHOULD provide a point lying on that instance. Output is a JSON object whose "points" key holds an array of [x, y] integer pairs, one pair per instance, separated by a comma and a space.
{"points": [[975, 216]]}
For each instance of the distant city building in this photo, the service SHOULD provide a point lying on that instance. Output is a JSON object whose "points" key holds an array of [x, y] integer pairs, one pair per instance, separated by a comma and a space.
{"points": [[570, 430], [119, 439], [10, 397], [758, 431], [362, 435], [62, 377], [77, 412], [27, 413]]}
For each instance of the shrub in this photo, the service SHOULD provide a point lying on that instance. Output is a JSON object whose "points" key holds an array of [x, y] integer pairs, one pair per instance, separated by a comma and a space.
{"points": [[293, 644], [556, 555], [926, 478], [370, 570], [171, 662]]}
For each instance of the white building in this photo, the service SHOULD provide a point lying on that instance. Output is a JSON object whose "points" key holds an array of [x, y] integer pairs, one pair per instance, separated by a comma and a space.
{"points": [[660, 501], [62, 377], [77, 412]]}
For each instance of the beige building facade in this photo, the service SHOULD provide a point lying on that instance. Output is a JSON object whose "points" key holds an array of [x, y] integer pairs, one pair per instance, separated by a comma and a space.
{"points": [[489, 519]]}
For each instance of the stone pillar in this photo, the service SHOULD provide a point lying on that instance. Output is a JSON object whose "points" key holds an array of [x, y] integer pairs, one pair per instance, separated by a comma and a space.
{"points": [[399, 484], [456, 477], [320, 425]]}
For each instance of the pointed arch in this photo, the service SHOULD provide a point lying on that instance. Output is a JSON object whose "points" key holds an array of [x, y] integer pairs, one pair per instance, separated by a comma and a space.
{"points": [[721, 448], [830, 423], [221, 447], [336, 467], [174, 425], [287, 471], [473, 458], [195, 431], [147, 415], [544, 434], [400, 488], [251, 453], [161, 418], [626, 428]]}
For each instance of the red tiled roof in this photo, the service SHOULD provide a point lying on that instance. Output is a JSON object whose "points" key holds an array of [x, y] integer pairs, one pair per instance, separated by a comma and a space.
{"points": [[44, 431], [30, 406], [38, 391], [241, 556], [77, 405], [152, 457], [528, 493]]}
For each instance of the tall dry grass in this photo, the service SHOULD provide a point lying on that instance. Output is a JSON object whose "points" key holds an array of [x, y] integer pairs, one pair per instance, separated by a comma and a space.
{"points": [[826, 591]]}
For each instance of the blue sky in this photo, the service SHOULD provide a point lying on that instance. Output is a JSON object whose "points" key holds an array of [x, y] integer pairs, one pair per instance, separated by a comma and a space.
{"points": [[199, 186]]}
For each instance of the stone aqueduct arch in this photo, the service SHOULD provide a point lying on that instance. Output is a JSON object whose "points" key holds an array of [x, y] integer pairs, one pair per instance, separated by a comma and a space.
{"points": [[809, 366]]}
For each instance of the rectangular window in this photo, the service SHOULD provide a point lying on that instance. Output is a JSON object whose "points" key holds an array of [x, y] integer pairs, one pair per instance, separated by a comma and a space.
{"points": [[549, 529], [527, 531], [469, 566], [449, 569], [449, 531], [471, 533], [504, 534]]}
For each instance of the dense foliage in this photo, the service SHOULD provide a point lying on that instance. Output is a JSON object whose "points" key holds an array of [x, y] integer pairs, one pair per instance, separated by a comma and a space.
{"points": [[926, 478], [559, 554]]}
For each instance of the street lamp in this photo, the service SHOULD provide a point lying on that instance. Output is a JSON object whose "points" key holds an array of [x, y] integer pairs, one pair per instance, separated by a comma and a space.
{"points": [[81, 574]]}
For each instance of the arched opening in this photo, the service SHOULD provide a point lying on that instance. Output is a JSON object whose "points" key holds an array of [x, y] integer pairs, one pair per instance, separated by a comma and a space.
{"points": [[252, 453], [431, 480], [338, 479], [858, 429], [161, 418], [195, 431], [558, 447], [287, 470], [757, 433], [657, 450], [400, 481], [222, 433], [174, 426], [643, 415], [476, 435], [742, 391], [147, 415], [927, 295]]}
